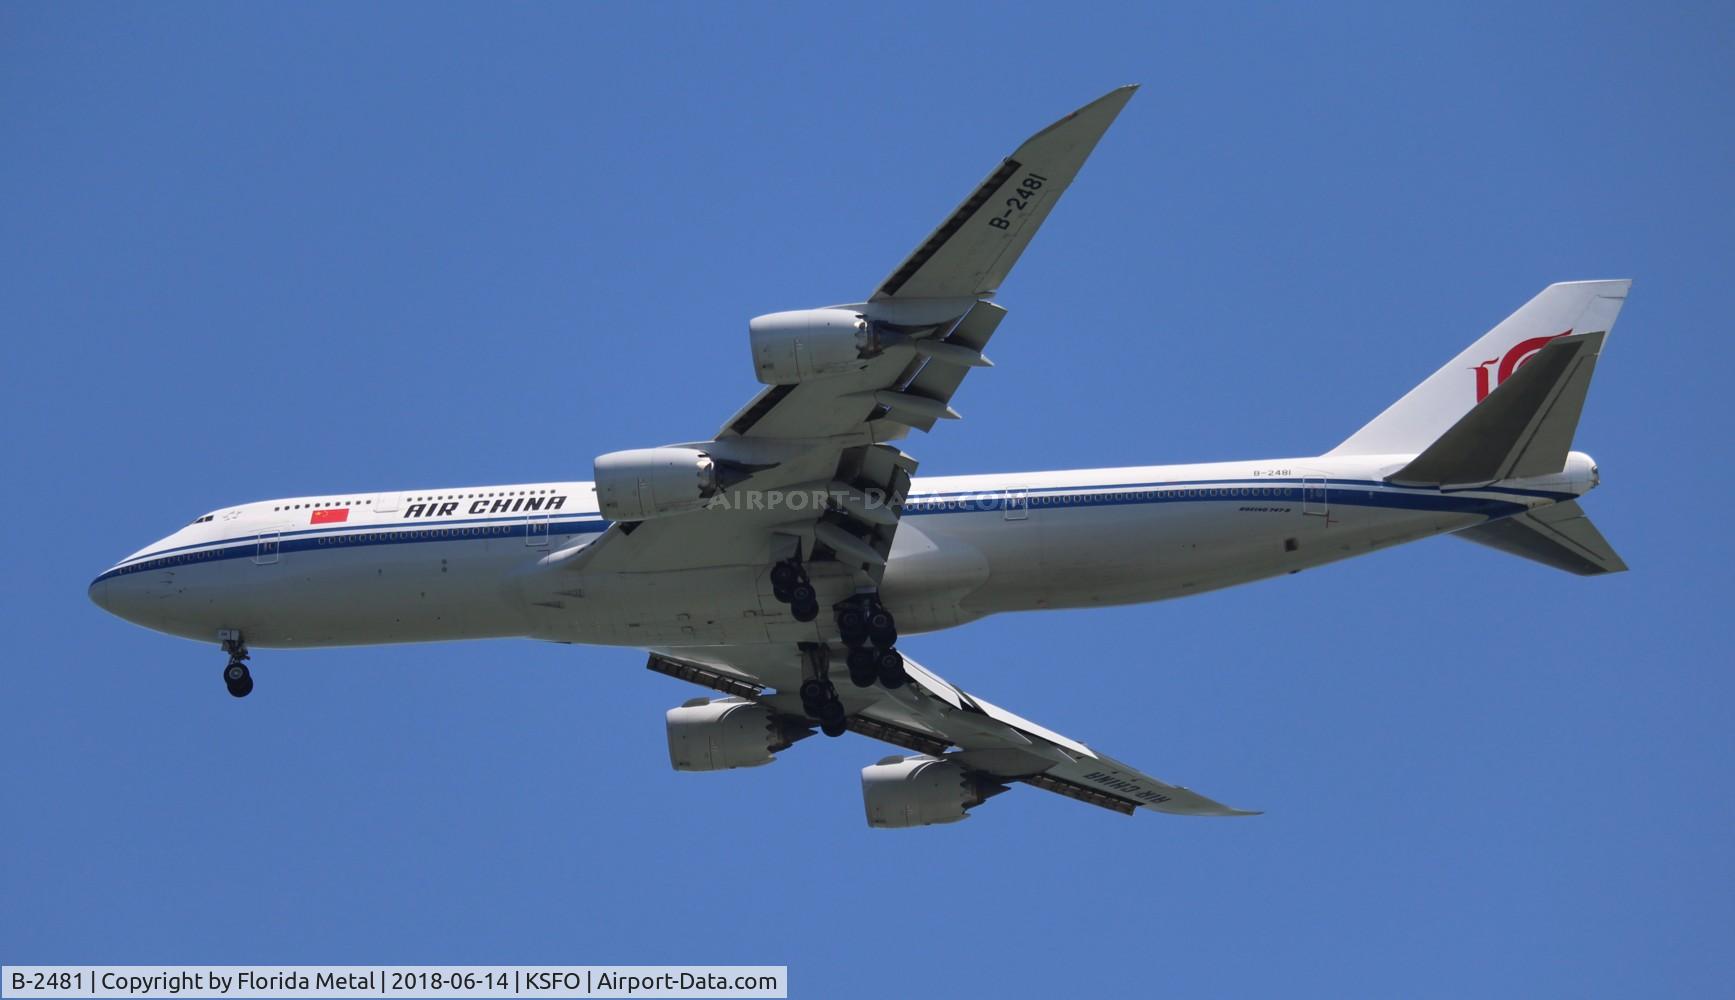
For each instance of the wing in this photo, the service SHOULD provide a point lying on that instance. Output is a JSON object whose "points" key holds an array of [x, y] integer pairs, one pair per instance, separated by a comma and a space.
{"points": [[932, 717], [962, 262], [971, 252], [831, 434]]}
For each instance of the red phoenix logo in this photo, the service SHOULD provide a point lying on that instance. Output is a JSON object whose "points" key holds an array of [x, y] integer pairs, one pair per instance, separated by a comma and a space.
{"points": [[1521, 352]]}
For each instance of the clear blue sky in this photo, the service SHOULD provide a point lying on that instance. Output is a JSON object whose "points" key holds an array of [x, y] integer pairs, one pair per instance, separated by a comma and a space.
{"points": [[250, 252]]}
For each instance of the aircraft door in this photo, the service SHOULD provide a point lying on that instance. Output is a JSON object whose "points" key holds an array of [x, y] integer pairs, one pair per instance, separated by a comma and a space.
{"points": [[266, 546], [536, 528], [1016, 503], [1313, 497]]}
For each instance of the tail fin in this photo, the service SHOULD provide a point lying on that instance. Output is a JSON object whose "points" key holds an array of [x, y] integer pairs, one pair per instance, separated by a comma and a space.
{"points": [[1523, 429], [1429, 410]]}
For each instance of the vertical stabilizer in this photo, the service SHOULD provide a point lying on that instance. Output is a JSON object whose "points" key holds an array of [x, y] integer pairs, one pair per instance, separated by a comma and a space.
{"points": [[1426, 412], [1522, 430]]}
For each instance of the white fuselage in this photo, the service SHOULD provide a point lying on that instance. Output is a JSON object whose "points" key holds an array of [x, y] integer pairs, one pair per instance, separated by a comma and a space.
{"points": [[426, 565]]}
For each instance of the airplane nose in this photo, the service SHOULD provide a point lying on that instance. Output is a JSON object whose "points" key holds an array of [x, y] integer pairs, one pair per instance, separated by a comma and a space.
{"points": [[99, 594]]}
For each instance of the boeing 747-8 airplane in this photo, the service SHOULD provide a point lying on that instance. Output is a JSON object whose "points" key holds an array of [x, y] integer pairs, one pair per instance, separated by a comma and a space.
{"points": [[782, 561]]}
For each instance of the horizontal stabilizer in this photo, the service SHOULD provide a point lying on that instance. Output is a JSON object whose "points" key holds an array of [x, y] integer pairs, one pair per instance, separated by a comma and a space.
{"points": [[1561, 536], [1524, 428]]}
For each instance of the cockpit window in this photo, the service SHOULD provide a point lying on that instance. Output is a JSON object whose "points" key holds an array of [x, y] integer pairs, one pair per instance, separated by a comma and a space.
{"points": [[202, 520]]}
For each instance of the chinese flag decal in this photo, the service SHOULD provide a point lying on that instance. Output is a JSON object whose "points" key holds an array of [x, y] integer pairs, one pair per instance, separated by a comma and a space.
{"points": [[331, 515]]}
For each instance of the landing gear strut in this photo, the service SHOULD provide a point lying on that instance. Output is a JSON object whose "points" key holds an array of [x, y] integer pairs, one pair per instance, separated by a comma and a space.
{"points": [[862, 620], [818, 695], [236, 677]]}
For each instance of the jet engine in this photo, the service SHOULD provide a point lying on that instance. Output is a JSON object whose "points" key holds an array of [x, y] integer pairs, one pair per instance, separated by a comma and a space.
{"points": [[922, 791], [791, 347], [652, 482], [719, 735]]}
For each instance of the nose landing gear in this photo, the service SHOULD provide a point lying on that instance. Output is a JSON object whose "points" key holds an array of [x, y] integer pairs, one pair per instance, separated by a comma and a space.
{"points": [[236, 677]]}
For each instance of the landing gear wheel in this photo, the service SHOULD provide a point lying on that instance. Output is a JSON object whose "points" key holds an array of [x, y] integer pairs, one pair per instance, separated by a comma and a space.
{"points": [[789, 584], [238, 679], [832, 721], [852, 626], [882, 629], [863, 667], [818, 695], [815, 694], [890, 664]]}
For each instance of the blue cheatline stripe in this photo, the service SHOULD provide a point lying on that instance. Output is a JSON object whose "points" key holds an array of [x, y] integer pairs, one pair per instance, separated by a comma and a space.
{"points": [[1262, 481], [1132, 497], [448, 531], [1344, 492], [395, 525]]}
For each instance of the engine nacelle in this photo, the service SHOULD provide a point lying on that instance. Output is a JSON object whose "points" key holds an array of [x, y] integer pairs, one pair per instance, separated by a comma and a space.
{"points": [[921, 791], [791, 347], [719, 735], [652, 482]]}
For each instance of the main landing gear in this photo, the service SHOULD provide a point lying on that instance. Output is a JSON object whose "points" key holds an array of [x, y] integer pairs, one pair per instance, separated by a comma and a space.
{"points": [[789, 583], [236, 677], [818, 696], [871, 636]]}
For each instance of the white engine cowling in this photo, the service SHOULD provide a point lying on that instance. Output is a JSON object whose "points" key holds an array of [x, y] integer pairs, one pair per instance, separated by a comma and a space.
{"points": [[719, 735], [652, 482], [920, 791], [791, 347]]}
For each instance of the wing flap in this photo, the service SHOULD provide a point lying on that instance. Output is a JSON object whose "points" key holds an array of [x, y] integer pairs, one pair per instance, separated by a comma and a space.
{"points": [[939, 378]]}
